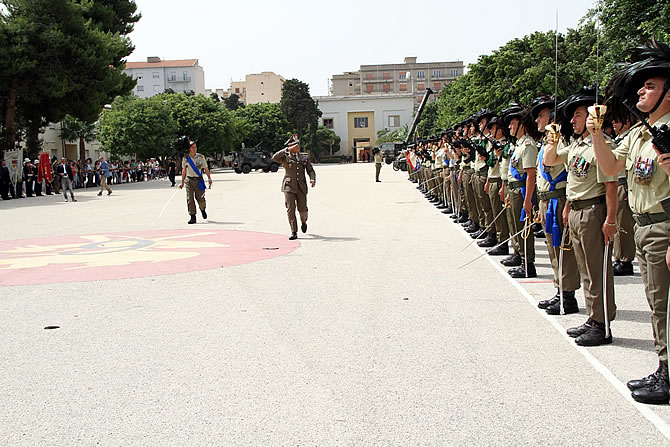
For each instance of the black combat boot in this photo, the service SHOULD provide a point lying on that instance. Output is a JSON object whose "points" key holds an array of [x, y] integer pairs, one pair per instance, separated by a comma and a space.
{"points": [[575, 332], [522, 272], [513, 260], [500, 250], [204, 214], [472, 227], [465, 224], [569, 305], [489, 241], [303, 227], [448, 210], [657, 392], [622, 268], [550, 302], [192, 221], [293, 236], [595, 336], [646, 381], [479, 234]]}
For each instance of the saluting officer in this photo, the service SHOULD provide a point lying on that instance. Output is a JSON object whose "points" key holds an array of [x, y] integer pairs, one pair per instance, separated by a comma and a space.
{"points": [[294, 184], [648, 79]]}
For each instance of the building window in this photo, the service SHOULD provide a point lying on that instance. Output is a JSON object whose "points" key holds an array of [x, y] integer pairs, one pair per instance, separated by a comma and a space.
{"points": [[328, 122], [420, 87], [420, 75], [394, 120], [237, 90], [438, 85], [368, 75], [403, 87], [454, 73], [387, 88], [156, 75], [402, 76], [185, 75], [360, 123], [369, 88], [436, 73], [157, 88], [139, 76], [387, 75], [140, 88]]}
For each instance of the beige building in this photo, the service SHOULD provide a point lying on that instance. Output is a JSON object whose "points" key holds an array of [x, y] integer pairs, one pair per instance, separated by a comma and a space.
{"points": [[409, 77], [356, 119], [156, 75], [256, 88]]}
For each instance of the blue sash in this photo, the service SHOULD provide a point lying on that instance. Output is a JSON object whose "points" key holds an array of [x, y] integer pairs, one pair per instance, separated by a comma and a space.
{"points": [[520, 178], [201, 181], [551, 218]]}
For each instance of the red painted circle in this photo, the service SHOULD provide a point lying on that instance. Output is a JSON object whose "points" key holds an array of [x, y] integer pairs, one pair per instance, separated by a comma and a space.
{"points": [[94, 257]]}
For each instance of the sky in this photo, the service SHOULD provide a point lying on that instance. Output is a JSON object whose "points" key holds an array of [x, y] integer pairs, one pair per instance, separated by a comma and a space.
{"points": [[313, 40]]}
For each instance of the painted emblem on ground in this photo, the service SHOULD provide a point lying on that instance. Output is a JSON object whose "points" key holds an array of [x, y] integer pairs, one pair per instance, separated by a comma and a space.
{"points": [[96, 257]]}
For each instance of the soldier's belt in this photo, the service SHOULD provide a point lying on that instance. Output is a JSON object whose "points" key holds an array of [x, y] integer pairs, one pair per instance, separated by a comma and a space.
{"points": [[622, 181], [468, 170], [581, 204], [649, 218], [495, 180], [548, 195], [517, 184]]}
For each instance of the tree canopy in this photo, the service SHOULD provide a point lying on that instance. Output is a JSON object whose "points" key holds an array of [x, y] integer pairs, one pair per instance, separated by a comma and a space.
{"points": [[301, 111], [266, 124]]}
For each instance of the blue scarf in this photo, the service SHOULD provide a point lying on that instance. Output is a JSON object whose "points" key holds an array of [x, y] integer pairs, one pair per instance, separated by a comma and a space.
{"points": [[551, 218]]}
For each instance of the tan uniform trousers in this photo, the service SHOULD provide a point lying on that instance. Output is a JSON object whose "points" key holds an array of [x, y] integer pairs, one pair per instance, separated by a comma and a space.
{"points": [[570, 271], [486, 211], [588, 244], [624, 239], [378, 168], [449, 188], [292, 201], [651, 242], [193, 194], [473, 211], [511, 224], [527, 238], [502, 226]]}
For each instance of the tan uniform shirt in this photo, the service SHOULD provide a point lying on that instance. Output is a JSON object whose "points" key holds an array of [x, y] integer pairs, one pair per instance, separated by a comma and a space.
{"points": [[542, 184], [585, 179], [523, 157], [645, 188], [378, 158], [200, 163], [295, 166]]}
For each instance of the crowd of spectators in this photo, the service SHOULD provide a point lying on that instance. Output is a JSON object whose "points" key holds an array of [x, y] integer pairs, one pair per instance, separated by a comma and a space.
{"points": [[86, 174]]}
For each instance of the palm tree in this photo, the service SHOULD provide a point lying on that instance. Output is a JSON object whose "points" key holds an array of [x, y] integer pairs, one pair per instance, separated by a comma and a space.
{"points": [[74, 129]]}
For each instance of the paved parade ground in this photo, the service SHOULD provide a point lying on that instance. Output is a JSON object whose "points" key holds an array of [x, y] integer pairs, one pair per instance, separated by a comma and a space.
{"points": [[363, 332]]}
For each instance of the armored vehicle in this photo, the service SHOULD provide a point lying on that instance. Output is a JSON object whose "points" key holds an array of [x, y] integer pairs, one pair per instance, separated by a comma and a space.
{"points": [[252, 159]]}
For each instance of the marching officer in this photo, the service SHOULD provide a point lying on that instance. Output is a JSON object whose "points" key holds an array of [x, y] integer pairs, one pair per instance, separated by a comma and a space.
{"points": [[294, 184], [191, 173]]}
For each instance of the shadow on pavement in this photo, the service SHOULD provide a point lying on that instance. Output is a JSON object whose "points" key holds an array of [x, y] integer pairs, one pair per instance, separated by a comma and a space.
{"points": [[215, 222], [634, 343], [636, 316], [329, 238]]}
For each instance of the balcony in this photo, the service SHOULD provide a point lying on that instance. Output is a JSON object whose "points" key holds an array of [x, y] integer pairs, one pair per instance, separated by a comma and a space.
{"points": [[178, 79]]}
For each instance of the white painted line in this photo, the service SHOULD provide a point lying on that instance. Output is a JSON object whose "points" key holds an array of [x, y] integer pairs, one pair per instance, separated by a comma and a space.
{"points": [[645, 410]]}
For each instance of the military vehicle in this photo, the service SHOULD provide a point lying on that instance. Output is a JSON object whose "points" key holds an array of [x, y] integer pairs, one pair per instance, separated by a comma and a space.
{"points": [[253, 159]]}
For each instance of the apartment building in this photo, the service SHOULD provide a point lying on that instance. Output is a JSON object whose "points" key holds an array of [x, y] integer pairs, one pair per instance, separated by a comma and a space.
{"points": [[256, 88], [409, 77], [156, 75]]}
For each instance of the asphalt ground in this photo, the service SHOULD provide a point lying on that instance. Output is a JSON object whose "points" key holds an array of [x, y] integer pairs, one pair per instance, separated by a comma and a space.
{"points": [[365, 333]]}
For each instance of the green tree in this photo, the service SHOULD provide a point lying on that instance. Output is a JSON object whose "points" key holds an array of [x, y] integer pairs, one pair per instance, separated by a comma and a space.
{"points": [[232, 102], [386, 136], [202, 119], [324, 140], [137, 127], [300, 109], [264, 123], [63, 56], [74, 129]]}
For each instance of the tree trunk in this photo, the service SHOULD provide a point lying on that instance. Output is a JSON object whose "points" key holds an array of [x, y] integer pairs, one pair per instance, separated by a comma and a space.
{"points": [[11, 115], [82, 148]]}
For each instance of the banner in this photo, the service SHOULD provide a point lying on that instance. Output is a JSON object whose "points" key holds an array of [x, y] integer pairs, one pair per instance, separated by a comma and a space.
{"points": [[15, 165]]}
